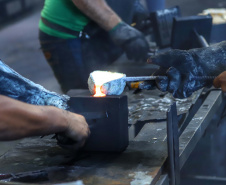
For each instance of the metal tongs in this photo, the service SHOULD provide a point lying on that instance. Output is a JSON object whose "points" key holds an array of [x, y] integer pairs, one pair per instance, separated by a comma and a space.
{"points": [[116, 87], [145, 78]]}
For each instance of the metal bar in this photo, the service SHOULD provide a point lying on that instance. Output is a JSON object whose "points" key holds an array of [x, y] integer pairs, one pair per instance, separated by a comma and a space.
{"points": [[163, 180], [175, 143], [143, 78], [201, 40], [213, 105], [170, 145], [209, 178], [190, 114]]}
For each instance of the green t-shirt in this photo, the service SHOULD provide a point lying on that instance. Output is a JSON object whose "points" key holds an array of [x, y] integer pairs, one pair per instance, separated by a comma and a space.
{"points": [[64, 13]]}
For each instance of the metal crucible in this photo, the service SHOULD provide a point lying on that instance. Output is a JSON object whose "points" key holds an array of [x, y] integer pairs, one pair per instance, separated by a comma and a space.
{"points": [[107, 118]]}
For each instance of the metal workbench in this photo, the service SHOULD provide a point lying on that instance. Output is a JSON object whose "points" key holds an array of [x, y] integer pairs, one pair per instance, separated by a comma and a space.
{"points": [[36, 160]]}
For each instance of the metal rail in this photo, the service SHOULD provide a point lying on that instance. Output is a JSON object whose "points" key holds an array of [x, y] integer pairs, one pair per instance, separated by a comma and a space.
{"points": [[213, 105]]}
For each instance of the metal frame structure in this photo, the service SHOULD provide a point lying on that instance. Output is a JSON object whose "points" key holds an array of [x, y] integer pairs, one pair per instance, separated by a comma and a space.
{"points": [[212, 105], [173, 145]]}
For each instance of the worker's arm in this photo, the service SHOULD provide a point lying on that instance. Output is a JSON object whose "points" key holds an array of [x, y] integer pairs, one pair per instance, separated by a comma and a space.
{"points": [[220, 81], [128, 38], [99, 12], [19, 120], [183, 66], [14, 85]]}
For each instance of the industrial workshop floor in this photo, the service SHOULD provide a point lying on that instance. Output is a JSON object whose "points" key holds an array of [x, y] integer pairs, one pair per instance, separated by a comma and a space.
{"points": [[19, 48]]}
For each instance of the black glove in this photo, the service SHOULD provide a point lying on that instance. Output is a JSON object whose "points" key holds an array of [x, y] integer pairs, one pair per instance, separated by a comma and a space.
{"points": [[140, 16], [131, 41], [183, 66]]}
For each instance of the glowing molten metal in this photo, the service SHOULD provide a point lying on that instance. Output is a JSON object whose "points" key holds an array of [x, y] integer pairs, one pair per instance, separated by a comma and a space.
{"points": [[97, 82], [98, 92]]}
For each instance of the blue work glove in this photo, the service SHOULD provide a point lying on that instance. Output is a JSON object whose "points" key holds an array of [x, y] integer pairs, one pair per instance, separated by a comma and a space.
{"points": [[131, 41], [183, 66]]}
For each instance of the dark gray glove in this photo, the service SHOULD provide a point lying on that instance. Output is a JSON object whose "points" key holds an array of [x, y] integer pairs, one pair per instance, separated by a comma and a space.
{"points": [[140, 16], [183, 66], [131, 41]]}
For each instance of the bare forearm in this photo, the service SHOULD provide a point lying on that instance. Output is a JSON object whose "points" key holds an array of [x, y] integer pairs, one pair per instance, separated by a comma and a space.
{"points": [[98, 11], [18, 120]]}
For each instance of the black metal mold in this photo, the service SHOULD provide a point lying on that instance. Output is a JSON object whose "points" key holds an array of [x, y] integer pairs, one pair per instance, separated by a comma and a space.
{"points": [[162, 25], [107, 118], [191, 32]]}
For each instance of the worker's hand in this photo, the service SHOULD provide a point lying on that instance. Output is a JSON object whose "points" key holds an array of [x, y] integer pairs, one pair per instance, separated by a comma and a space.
{"points": [[220, 81], [131, 41], [76, 133], [183, 66], [140, 17]]}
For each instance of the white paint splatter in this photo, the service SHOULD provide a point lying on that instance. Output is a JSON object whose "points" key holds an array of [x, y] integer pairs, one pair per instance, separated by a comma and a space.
{"points": [[79, 182], [141, 178], [197, 119]]}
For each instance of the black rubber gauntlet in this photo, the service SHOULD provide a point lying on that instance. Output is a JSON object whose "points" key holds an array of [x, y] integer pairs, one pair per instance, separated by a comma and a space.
{"points": [[183, 68], [131, 41]]}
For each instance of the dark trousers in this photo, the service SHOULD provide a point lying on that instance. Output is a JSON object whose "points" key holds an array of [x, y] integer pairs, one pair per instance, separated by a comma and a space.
{"points": [[72, 60], [65, 58]]}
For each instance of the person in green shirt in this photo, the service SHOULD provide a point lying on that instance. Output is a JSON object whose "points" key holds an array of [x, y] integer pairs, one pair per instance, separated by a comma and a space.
{"points": [[79, 36]]}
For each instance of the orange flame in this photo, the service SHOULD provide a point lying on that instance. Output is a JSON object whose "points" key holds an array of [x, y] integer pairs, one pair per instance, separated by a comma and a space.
{"points": [[98, 92]]}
